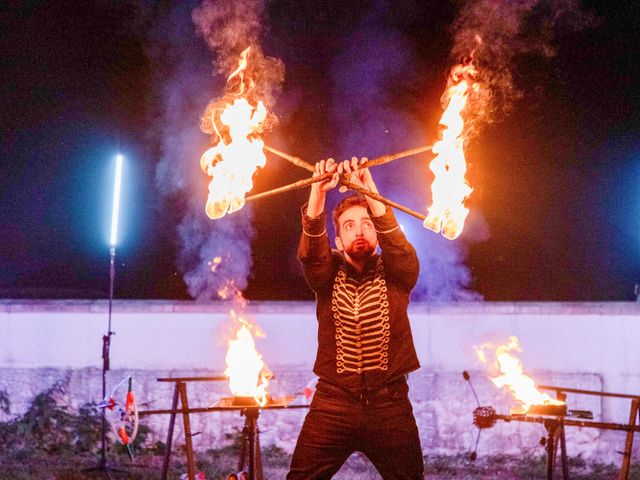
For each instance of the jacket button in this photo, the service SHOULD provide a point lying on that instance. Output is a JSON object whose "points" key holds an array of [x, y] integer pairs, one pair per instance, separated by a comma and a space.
{"points": [[359, 370]]}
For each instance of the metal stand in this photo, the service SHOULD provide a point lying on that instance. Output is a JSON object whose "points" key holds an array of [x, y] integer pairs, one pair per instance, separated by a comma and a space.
{"points": [[106, 343], [628, 444], [180, 394], [630, 428], [555, 430], [555, 426], [250, 432], [251, 442]]}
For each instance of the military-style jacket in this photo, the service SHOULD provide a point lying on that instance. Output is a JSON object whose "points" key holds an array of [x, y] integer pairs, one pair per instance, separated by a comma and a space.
{"points": [[364, 336]]}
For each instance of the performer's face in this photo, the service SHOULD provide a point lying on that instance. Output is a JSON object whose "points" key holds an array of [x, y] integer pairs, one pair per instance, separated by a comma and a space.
{"points": [[357, 237]]}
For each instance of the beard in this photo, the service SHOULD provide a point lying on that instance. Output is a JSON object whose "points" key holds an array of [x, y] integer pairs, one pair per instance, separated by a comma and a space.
{"points": [[360, 250]]}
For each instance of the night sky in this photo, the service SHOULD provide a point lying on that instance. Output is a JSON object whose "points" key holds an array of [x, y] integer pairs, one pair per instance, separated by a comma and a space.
{"points": [[555, 212]]}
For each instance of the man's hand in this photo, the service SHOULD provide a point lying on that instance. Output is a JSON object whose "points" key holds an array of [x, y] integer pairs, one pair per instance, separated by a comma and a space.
{"points": [[356, 175], [362, 178], [319, 189], [322, 167]]}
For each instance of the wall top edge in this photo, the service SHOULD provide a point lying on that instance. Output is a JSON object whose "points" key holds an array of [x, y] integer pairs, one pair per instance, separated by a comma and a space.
{"points": [[266, 307]]}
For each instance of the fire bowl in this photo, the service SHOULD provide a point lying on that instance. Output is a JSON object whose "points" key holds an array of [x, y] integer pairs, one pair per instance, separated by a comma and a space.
{"points": [[245, 402], [557, 410], [239, 403]]}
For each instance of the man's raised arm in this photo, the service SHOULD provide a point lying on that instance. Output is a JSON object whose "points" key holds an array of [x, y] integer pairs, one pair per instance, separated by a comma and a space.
{"points": [[314, 251]]}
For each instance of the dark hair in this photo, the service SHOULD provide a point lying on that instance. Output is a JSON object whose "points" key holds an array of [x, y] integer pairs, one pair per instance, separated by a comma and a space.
{"points": [[345, 204]]}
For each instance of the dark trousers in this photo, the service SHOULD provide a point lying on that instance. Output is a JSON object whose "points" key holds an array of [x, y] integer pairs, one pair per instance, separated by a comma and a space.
{"points": [[380, 424]]}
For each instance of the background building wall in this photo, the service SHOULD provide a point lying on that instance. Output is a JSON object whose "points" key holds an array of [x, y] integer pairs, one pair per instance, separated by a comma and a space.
{"points": [[578, 345]]}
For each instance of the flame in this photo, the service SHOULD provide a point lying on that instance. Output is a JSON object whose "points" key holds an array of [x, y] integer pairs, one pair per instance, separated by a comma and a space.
{"points": [[449, 189], [230, 291], [512, 374], [248, 374], [238, 152]]}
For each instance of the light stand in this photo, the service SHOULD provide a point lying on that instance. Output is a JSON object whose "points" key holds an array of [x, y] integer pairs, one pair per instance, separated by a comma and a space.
{"points": [[106, 343], [106, 339]]}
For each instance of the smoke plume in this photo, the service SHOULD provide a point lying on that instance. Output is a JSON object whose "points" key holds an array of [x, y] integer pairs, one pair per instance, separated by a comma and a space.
{"points": [[494, 33], [228, 28], [365, 75], [214, 256]]}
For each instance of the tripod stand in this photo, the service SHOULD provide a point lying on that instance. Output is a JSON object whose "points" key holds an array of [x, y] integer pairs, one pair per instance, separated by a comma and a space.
{"points": [[106, 343], [251, 445]]}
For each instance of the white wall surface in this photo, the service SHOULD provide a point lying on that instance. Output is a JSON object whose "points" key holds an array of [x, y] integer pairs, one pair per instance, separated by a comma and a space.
{"points": [[601, 338], [580, 345]]}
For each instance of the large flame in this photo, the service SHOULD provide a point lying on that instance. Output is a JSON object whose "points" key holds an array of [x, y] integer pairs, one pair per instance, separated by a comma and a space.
{"points": [[511, 373], [247, 372], [449, 189], [238, 152]]}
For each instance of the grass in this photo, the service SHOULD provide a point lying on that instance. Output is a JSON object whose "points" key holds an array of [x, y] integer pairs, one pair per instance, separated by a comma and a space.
{"points": [[217, 463]]}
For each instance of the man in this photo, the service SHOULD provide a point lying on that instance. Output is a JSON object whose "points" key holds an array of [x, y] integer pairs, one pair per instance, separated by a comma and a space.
{"points": [[365, 347]]}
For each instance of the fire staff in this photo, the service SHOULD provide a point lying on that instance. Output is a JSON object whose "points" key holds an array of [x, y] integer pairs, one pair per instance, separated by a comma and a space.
{"points": [[365, 346]]}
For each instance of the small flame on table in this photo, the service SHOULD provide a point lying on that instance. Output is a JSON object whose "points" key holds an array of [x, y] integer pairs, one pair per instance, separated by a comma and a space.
{"points": [[510, 373], [248, 374]]}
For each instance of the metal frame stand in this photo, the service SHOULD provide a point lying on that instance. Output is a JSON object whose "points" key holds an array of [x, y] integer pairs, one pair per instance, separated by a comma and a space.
{"points": [[630, 428], [251, 443], [180, 393], [555, 432], [628, 444], [250, 432]]}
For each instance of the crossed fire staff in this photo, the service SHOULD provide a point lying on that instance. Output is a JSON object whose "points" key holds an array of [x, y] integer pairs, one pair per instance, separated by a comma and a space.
{"points": [[237, 120], [382, 160]]}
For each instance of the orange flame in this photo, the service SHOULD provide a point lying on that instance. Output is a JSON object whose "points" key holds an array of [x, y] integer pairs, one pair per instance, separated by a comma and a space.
{"points": [[447, 212], [232, 162], [512, 374], [248, 374]]}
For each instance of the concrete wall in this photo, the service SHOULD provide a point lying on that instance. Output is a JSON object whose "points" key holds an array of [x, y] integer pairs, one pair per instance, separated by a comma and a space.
{"points": [[580, 345]]}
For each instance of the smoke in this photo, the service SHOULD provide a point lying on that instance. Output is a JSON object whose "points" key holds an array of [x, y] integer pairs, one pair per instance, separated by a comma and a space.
{"points": [[495, 33], [365, 74], [214, 257], [377, 59], [229, 27]]}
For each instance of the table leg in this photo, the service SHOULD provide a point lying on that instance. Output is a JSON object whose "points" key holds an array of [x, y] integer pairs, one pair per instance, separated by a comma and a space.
{"points": [[172, 421]]}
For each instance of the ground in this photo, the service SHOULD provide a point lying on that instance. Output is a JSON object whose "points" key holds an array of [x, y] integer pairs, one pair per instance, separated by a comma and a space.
{"points": [[48, 442], [215, 464]]}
